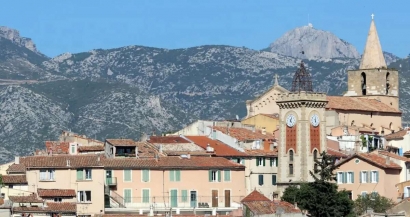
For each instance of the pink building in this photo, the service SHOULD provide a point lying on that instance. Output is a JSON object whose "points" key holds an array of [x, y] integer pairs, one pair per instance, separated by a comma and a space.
{"points": [[365, 173], [178, 183]]}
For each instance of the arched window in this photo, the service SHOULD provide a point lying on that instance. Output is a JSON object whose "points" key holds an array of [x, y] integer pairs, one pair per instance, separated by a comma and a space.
{"points": [[363, 83], [291, 155], [390, 125], [315, 154], [387, 83], [314, 161]]}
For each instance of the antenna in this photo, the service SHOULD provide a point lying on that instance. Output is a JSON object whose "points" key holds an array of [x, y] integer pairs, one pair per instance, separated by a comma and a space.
{"points": [[237, 117]]}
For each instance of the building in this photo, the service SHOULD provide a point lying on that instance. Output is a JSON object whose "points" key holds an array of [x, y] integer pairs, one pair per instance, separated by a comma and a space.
{"points": [[175, 184], [256, 204], [264, 122], [365, 173]]}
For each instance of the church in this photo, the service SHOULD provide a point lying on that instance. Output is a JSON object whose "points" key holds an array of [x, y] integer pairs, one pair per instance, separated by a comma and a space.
{"points": [[307, 118]]}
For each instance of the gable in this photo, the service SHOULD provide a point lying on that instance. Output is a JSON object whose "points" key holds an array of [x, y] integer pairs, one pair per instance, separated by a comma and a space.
{"points": [[270, 94]]}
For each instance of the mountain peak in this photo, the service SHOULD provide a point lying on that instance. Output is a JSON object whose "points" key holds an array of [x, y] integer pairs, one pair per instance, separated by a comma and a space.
{"points": [[14, 36], [308, 42]]}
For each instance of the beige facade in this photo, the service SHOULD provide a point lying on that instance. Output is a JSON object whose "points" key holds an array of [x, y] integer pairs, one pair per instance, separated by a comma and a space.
{"points": [[267, 122], [302, 106], [267, 171]]}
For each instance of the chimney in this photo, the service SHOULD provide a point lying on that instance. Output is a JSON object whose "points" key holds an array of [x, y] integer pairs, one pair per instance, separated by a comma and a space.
{"points": [[136, 151], [188, 156], [68, 163], [160, 148], [388, 160], [16, 160]]}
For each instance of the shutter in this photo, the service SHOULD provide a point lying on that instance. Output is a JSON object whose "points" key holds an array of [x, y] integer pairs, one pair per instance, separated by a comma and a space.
{"points": [[344, 177], [184, 194], [227, 175], [80, 174], [360, 177], [257, 161], [146, 175], [177, 175], [242, 161], [145, 195], [276, 161], [79, 196], [172, 175], [352, 177], [219, 176], [263, 161], [369, 177], [127, 195], [377, 176], [273, 179], [210, 175], [260, 179], [271, 161]]}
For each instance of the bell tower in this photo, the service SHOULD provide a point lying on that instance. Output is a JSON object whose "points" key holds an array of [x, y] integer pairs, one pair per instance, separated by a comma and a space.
{"points": [[373, 80], [302, 130]]}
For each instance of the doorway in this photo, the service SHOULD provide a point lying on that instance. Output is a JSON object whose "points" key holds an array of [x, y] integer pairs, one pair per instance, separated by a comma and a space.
{"points": [[108, 175], [193, 199], [214, 198], [227, 198]]}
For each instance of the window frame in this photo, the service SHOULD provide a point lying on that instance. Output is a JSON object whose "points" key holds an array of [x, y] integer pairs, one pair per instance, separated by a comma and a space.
{"points": [[363, 181], [340, 179], [350, 180], [123, 174], [49, 175], [142, 175], [375, 178], [83, 193]]}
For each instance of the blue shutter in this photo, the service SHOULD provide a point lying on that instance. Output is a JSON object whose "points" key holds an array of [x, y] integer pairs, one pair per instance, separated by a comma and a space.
{"points": [[145, 195], [219, 176], [227, 175], [80, 174], [260, 179], [352, 177], [184, 195], [210, 175], [377, 176]]}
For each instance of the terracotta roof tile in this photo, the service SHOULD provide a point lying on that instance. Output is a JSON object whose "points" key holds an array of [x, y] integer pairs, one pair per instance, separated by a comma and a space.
{"points": [[336, 153], [14, 179], [146, 150], [255, 196], [397, 135], [167, 139], [121, 142], [16, 168], [260, 152], [57, 147], [274, 116], [374, 159], [51, 207], [26, 199], [358, 104], [91, 148], [172, 163], [56, 192], [140, 215], [395, 156], [221, 149], [243, 134], [59, 161]]}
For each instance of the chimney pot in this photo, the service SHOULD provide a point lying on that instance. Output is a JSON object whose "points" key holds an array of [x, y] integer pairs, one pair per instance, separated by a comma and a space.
{"points": [[16, 160]]}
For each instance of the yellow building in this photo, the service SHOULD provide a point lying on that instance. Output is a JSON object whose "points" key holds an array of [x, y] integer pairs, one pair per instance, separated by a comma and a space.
{"points": [[268, 121]]}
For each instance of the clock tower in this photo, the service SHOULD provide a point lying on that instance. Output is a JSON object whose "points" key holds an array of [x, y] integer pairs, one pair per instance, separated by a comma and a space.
{"points": [[302, 131]]}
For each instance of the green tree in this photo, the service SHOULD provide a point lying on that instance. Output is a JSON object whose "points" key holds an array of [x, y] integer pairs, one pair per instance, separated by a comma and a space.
{"points": [[321, 197], [373, 201]]}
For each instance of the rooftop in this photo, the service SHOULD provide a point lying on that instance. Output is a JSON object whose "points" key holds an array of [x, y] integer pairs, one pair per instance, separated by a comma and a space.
{"points": [[56, 192], [57, 147], [51, 207], [121, 142], [167, 139], [14, 179], [242, 134], [221, 149], [358, 104], [26, 199], [90, 148], [255, 196], [173, 163], [374, 159], [397, 135], [258, 204], [261, 152]]}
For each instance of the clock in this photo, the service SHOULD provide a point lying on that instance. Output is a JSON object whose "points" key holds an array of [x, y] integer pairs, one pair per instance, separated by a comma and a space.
{"points": [[290, 120], [314, 120]]}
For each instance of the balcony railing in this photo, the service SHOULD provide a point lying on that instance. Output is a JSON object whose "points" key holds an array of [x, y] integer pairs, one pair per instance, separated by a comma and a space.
{"points": [[160, 202], [111, 181]]}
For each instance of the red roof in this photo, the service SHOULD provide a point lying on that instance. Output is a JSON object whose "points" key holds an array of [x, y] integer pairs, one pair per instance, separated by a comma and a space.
{"points": [[397, 135], [167, 139], [16, 168], [261, 152], [374, 159], [358, 104], [395, 156], [91, 148], [258, 204], [243, 134], [121, 142], [57, 147], [56, 192], [172, 163], [14, 179], [220, 148], [51, 207], [26, 199], [255, 196]]}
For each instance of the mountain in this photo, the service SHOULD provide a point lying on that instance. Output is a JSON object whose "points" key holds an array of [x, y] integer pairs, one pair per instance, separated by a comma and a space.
{"points": [[13, 35], [126, 91], [309, 43]]}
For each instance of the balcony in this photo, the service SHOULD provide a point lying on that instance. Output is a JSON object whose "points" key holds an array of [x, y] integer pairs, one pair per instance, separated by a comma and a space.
{"points": [[111, 181]]}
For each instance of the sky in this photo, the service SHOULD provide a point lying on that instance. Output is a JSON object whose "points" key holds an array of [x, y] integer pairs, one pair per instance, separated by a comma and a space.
{"points": [[76, 26]]}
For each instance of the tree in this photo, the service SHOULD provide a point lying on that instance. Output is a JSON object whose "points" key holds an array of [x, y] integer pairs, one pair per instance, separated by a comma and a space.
{"points": [[374, 201], [321, 197]]}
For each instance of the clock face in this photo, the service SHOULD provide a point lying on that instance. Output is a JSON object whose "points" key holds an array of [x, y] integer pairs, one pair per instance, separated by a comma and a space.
{"points": [[291, 120], [314, 120]]}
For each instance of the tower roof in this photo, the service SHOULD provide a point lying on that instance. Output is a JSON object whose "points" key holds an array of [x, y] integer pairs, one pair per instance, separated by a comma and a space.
{"points": [[373, 54], [302, 80]]}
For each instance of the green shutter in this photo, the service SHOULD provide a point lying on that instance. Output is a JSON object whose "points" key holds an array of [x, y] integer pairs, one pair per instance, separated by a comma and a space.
{"points": [[177, 175], [80, 175], [352, 177], [271, 161], [219, 176], [257, 161], [345, 177], [377, 176], [227, 175], [145, 175], [127, 175], [263, 161], [273, 179], [243, 161], [210, 175], [127, 195], [184, 194], [172, 175], [145, 195], [174, 198]]}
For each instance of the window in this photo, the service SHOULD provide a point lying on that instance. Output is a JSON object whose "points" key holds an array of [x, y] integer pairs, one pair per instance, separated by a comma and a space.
{"points": [[84, 196], [374, 194], [127, 195], [350, 177], [127, 175], [364, 193], [273, 179], [58, 199], [260, 161], [291, 155], [72, 149], [214, 175], [261, 180], [363, 81], [227, 175], [145, 195], [84, 174], [274, 162], [184, 196], [374, 178], [340, 177], [47, 175], [290, 169], [363, 177], [315, 155], [145, 175], [174, 175], [10, 186]]}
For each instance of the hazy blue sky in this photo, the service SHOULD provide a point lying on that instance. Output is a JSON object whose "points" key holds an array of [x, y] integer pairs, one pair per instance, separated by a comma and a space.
{"points": [[82, 25]]}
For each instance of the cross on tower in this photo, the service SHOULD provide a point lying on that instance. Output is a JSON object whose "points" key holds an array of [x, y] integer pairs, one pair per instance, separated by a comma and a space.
{"points": [[276, 80], [372, 16]]}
